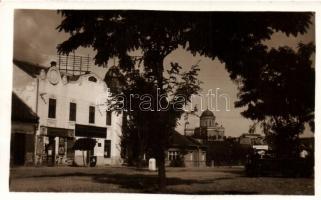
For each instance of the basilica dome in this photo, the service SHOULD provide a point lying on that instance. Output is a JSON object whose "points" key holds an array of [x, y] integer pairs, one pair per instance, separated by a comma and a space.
{"points": [[207, 113]]}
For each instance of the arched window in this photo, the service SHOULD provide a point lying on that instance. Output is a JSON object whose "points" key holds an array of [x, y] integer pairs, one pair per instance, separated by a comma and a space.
{"points": [[92, 79]]}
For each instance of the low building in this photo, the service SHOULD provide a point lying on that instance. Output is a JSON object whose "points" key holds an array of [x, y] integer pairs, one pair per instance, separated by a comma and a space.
{"points": [[23, 131], [66, 102], [251, 139], [185, 151]]}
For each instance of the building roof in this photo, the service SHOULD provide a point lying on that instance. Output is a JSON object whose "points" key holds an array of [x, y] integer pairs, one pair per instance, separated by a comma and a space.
{"points": [[22, 112], [31, 69], [181, 141], [207, 113], [251, 135]]}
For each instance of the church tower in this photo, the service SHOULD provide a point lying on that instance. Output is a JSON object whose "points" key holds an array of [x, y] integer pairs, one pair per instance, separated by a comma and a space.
{"points": [[214, 132]]}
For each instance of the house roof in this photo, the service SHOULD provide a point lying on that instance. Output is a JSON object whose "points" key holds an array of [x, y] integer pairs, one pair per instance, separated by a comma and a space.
{"points": [[181, 141], [251, 135], [31, 69], [22, 112]]}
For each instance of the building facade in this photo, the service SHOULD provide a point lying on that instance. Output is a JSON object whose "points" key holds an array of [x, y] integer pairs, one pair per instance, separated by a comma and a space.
{"points": [[208, 128], [185, 151], [23, 129], [67, 109]]}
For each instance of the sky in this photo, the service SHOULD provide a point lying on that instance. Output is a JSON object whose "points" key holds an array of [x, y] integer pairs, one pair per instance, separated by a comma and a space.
{"points": [[36, 38]]}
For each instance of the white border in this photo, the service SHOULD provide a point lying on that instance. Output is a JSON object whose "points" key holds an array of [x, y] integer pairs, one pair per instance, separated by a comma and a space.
{"points": [[6, 49]]}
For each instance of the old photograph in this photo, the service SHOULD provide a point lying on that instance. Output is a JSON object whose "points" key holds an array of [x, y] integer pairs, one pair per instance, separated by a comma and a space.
{"points": [[163, 102]]}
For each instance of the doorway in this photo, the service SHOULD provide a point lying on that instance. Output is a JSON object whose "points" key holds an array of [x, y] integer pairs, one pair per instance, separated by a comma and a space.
{"points": [[18, 143]]}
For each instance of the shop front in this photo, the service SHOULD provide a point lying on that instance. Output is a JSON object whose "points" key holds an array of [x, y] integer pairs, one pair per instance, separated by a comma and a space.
{"points": [[86, 151], [55, 146]]}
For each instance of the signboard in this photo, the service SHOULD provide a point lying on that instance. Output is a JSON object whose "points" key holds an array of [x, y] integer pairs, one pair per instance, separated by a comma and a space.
{"points": [[61, 148], [261, 147], [56, 132], [90, 131]]}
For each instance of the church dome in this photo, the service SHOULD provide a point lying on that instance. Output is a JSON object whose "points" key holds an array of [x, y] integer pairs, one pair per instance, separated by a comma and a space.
{"points": [[207, 113]]}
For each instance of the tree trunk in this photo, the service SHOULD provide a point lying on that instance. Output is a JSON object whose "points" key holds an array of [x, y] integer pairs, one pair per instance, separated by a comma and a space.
{"points": [[161, 173], [140, 143], [162, 138], [140, 155]]}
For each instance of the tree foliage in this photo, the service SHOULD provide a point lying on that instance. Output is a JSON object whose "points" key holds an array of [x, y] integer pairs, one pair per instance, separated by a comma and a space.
{"points": [[280, 95], [145, 103], [235, 38]]}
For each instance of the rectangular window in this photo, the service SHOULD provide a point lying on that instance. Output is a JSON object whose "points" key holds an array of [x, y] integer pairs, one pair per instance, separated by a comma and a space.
{"points": [[107, 149], [173, 155], [52, 108], [91, 114], [108, 118], [72, 111]]}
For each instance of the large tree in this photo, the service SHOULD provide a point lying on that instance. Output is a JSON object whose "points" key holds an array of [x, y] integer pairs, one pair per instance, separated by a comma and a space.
{"points": [[235, 38], [280, 95]]}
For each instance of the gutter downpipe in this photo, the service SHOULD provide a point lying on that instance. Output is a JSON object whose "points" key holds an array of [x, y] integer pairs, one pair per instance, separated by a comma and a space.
{"points": [[37, 126]]}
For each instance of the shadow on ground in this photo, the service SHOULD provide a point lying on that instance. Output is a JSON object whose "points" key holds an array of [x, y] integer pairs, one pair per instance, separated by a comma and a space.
{"points": [[148, 183], [142, 183]]}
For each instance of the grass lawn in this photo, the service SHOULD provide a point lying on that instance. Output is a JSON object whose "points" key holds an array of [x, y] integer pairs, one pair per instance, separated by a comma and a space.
{"points": [[219, 180]]}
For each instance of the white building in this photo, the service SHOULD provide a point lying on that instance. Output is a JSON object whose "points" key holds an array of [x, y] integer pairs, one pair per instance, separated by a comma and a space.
{"points": [[67, 110]]}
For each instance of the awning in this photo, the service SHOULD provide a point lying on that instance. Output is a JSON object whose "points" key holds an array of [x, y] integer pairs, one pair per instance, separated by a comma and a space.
{"points": [[90, 131]]}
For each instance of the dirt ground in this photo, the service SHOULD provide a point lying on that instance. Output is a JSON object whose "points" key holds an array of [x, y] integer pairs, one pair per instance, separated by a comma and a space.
{"points": [[218, 180]]}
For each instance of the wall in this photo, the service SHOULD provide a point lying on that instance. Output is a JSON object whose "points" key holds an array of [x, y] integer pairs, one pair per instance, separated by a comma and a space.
{"points": [[84, 93], [192, 158]]}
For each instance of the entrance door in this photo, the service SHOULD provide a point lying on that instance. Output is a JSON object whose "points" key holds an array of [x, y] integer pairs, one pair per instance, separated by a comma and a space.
{"points": [[89, 153], [70, 150], [50, 150], [19, 149]]}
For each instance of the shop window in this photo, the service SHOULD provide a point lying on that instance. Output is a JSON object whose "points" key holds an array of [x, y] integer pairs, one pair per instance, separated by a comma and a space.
{"points": [[92, 114], [72, 111], [107, 149], [108, 117], [52, 108]]}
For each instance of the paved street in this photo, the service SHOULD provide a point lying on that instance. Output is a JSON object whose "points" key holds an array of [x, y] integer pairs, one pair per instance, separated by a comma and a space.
{"points": [[220, 180]]}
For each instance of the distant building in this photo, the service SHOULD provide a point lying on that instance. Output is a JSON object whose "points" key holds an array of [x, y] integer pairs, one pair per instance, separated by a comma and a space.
{"points": [[251, 139], [186, 149], [192, 121], [208, 129], [65, 101]]}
